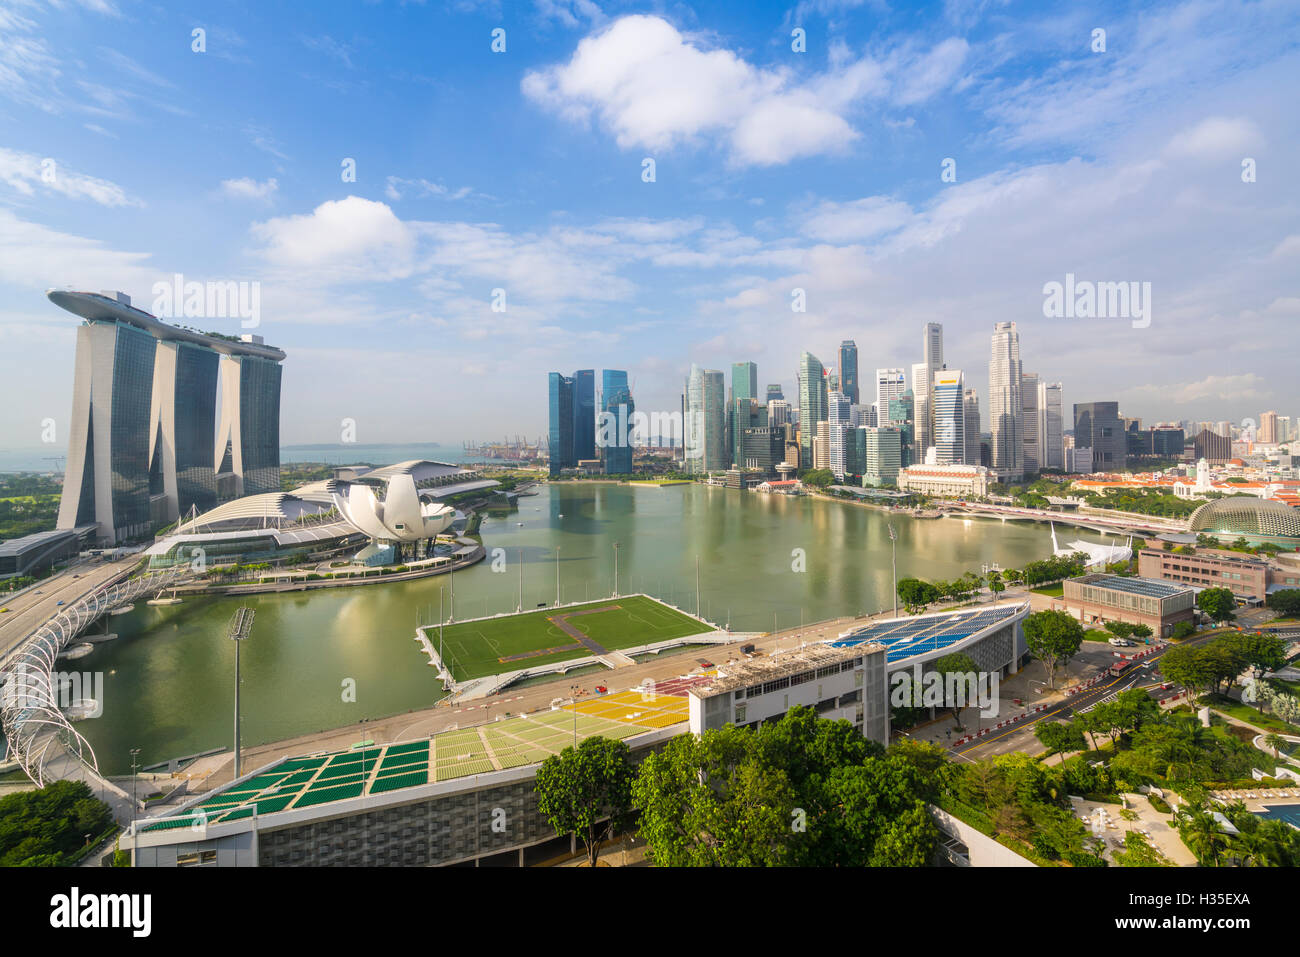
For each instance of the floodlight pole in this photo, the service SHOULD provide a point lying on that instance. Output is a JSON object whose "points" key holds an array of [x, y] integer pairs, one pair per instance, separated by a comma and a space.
{"points": [[616, 569], [557, 576], [520, 607], [135, 753], [893, 561], [697, 586], [240, 626]]}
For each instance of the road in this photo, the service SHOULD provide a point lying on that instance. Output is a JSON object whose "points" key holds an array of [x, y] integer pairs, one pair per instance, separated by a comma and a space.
{"points": [[1020, 737], [35, 607]]}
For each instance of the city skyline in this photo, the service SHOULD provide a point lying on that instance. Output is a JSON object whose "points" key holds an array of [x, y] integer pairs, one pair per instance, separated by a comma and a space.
{"points": [[394, 273]]}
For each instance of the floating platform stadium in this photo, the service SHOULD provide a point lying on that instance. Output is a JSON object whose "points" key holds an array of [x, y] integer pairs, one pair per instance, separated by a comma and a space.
{"points": [[483, 655], [467, 795], [439, 791]]}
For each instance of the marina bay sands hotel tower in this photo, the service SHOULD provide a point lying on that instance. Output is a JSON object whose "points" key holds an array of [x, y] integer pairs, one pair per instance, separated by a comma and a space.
{"points": [[164, 420]]}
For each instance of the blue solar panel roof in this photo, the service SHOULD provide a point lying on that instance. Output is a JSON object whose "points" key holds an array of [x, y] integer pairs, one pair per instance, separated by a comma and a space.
{"points": [[908, 637]]}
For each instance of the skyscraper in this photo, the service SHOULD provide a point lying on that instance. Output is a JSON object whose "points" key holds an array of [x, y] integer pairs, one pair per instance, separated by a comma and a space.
{"points": [[774, 392], [1097, 426], [1005, 404], [901, 417], [145, 444], [838, 408], [778, 412], [1051, 426], [1030, 426], [882, 456], [1268, 432], [706, 420], [560, 436], [949, 417], [812, 404], [971, 407], [921, 375], [584, 413], [615, 434], [744, 392], [849, 370], [890, 384]]}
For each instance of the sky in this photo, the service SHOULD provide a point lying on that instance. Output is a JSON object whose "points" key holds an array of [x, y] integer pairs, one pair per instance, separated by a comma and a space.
{"points": [[887, 164]]}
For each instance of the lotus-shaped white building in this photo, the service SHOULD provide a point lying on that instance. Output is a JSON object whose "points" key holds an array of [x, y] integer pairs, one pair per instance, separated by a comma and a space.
{"points": [[399, 516], [398, 504]]}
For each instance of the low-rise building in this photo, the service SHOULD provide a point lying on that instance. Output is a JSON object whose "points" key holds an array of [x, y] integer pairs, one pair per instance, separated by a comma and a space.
{"points": [[961, 481], [840, 683], [1245, 575], [1160, 605]]}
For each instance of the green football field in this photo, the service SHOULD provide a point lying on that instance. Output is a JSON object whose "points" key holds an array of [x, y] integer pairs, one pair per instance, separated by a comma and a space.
{"points": [[510, 643]]}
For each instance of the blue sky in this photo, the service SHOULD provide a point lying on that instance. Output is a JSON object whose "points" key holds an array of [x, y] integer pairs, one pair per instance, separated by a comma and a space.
{"points": [[775, 170]]}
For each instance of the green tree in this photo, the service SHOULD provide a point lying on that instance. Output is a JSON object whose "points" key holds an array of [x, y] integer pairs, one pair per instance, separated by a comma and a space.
{"points": [[1189, 667], [916, 594], [1219, 603], [1285, 601], [1203, 836], [587, 791], [1053, 637], [1275, 741], [960, 665], [1261, 653], [1059, 736], [1138, 852], [1120, 629], [47, 827]]}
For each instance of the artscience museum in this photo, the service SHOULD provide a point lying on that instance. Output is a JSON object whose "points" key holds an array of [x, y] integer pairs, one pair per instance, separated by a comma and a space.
{"points": [[370, 516]]}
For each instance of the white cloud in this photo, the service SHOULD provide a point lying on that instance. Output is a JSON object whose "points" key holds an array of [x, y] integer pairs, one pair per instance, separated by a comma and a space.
{"points": [[656, 88], [30, 174], [36, 257], [395, 187], [249, 188], [342, 239], [857, 220], [1217, 137]]}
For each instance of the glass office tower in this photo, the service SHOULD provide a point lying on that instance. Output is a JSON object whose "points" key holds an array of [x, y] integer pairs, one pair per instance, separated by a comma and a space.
{"points": [[584, 414], [560, 437], [614, 437]]}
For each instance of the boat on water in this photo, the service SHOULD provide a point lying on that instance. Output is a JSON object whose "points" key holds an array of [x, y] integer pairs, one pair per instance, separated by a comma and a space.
{"points": [[78, 651], [83, 708], [121, 609]]}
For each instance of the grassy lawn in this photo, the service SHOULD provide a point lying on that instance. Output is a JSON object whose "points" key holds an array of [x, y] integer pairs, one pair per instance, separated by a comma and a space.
{"points": [[1243, 712], [1052, 591], [475, 649]]}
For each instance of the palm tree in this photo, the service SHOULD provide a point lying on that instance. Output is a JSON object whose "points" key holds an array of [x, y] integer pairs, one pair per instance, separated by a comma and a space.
{"points": [[1203, 837], [1274, 741]]}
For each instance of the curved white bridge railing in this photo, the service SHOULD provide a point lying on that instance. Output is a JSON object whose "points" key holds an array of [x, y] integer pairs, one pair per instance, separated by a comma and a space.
{"points": [[41, 739]]}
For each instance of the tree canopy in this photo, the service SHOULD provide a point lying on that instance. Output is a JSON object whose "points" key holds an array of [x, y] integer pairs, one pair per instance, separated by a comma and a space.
{"points": [[802, 791], [587, 791], [1053, 637]]}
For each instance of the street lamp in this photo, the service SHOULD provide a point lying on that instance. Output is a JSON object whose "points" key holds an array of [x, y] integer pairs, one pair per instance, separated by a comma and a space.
{"points": [[557, 576], [616, 569]]}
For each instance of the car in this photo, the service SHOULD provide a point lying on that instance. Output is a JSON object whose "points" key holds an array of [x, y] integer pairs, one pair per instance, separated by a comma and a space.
{"points": [[1121, 642], [58, 604]]}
